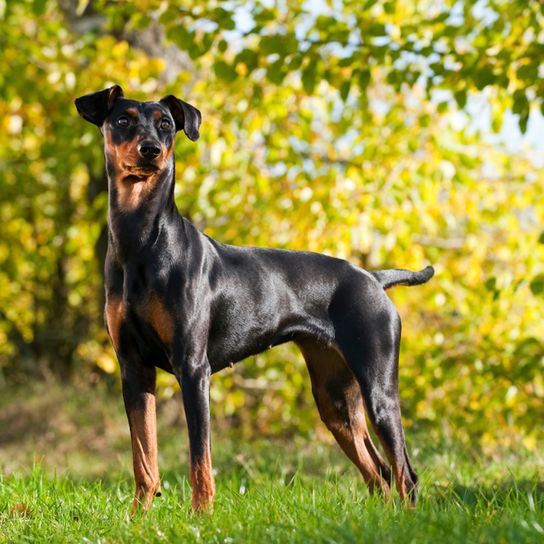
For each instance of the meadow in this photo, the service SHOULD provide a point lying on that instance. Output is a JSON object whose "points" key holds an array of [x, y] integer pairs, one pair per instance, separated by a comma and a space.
{"points": [[67, 478]]}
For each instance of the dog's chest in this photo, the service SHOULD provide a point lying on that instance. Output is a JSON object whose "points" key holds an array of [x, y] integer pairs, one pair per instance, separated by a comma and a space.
{"points": [[143, 319], [138, 307], [152, 311]]}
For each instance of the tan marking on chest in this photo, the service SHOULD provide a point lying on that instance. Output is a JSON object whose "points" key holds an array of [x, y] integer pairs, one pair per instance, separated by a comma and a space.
{"points": [[158, 316], [115, 314]]}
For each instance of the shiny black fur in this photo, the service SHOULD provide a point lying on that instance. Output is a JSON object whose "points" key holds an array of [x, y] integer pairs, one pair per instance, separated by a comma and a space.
{"points": [[226, 303]]}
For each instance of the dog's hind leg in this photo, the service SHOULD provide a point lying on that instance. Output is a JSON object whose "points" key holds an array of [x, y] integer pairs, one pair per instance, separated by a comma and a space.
{"points": [[340, 404], [369, 337]]}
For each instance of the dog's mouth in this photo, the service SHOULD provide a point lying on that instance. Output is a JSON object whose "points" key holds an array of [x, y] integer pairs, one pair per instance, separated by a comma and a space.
{"points": [[145, 167], [140, 172]]}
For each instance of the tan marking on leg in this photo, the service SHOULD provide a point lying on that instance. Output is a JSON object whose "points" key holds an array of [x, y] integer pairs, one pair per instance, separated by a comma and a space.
{"points": [[202, 482], [143, 431], [115, 313], [400, 476], [399, 473], [343, 411]]}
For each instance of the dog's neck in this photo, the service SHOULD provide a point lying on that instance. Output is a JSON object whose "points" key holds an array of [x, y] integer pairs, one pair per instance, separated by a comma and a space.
{"points": [[139, 207]]}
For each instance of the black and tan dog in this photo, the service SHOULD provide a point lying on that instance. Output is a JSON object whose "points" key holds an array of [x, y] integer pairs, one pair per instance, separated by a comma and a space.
{"points": [[180, 301]]}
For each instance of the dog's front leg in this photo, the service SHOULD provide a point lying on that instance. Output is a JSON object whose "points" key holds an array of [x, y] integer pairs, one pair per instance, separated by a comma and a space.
{"points": [[138, 382], [195, 384]]}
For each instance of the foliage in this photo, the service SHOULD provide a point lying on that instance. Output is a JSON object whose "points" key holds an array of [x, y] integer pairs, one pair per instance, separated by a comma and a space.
{"points": [[336, 130], [457, 46]]}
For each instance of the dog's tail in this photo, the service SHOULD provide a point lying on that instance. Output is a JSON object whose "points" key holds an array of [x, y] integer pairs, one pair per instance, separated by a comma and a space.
{"points": [[392, 277]]}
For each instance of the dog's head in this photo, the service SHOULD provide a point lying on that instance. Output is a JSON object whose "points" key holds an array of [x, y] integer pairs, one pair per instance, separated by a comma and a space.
{"points": [[139, 136]]}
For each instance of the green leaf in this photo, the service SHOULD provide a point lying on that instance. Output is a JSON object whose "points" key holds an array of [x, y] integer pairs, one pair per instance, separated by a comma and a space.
{"points": [[296, 62], [180, 36], [523, 121], [344, 89], [537, 285], [170, 14], [324, 22], [205, 43], [262, 15], [442, 107], [375, 29], [521, 107], [224, 71], [461, 98], [223, 18], [248, 57], [389, 7], [309, 77], [281, 44], [38, 6], [520, 101], [484, 77], [363, 78], [270, 45], [491, 284], [528, 72], [346, 61], [276, 72]]}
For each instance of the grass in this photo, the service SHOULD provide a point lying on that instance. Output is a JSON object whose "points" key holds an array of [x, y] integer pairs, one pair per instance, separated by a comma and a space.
{"points": [[300, 490], [262, 504]]}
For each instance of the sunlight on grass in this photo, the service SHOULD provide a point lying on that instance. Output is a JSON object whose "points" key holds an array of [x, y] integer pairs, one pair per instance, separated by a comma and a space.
{"points": [[280, 489], [267, 505]]}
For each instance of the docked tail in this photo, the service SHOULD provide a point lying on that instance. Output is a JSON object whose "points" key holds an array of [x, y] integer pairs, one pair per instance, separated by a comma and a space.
{"points": [[390, 278]]}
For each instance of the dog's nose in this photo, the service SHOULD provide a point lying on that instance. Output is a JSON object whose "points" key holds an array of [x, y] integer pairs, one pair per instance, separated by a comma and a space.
{"points": [[149, 149]]}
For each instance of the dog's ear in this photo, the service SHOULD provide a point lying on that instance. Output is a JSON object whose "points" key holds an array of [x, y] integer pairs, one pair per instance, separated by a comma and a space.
{"points": [[95, 107], [186, 117]]}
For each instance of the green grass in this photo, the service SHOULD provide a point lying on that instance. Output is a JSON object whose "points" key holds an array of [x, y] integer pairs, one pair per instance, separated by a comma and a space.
{"points": [[258, 500], [301, 489]]}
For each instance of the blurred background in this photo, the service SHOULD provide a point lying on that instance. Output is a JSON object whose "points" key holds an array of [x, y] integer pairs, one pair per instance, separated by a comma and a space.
{"points": [[390, 133]]}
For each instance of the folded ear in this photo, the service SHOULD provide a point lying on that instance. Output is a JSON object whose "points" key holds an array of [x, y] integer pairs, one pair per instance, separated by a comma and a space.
{"points": [[95, 107], [186, 117]]}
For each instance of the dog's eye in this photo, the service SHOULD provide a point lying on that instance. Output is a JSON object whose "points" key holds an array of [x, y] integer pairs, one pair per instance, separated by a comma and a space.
{"points": [[165, 123], [123, 121]]}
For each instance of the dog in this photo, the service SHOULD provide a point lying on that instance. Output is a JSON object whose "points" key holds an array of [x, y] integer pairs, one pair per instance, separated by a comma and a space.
{"points": [[178, 300]]}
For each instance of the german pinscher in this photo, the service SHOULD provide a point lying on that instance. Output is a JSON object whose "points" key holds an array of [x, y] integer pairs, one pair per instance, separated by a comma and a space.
{"points": [[180, 301]]}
